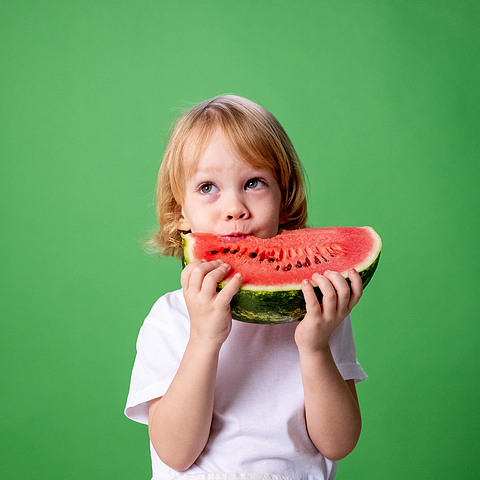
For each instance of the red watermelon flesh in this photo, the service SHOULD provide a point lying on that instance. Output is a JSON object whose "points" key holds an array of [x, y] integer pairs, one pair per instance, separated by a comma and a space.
{"points": [[282, 262]]}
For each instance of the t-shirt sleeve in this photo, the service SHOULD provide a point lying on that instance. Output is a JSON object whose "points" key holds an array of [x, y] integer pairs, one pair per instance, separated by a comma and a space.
{"points": [[344, 352], [160, 345]]}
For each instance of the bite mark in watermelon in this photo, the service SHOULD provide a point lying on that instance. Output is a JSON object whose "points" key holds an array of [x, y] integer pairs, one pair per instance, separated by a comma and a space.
{"points": [[273, 269]]}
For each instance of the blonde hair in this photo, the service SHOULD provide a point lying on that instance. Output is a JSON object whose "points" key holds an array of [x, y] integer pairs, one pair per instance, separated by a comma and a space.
{"points": [[254, 133]]}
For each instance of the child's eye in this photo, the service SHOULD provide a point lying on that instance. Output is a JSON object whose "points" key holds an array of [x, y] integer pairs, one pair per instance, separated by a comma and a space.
{"points": [[208, 188], [254, 183]]}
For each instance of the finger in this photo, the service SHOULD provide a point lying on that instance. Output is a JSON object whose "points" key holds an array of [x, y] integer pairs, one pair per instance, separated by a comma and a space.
{"points": [[187, 271], [215, 276], [356, 287], [231, 288], [329, 300], [341, 287], [311, 301], [198, 273]]}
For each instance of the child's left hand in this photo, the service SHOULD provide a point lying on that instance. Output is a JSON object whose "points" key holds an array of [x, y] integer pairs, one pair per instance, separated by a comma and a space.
{"points": [[314, 331]]}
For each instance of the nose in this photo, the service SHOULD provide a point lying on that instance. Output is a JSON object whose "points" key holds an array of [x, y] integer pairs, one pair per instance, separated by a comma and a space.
{"points": [[235, 208], [234, 217]]}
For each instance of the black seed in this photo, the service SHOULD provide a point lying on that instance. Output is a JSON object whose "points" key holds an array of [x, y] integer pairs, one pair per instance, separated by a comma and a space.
{"points": [[271, 260], [235, 251], [253, 255], [307, 262], [299, 265], [213, 252], [278, 268], [317, 260], [288, 267], [226, 250]]}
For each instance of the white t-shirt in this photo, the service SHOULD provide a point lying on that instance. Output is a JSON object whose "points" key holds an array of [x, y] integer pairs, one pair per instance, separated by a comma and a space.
{"points": [[258, 422]]}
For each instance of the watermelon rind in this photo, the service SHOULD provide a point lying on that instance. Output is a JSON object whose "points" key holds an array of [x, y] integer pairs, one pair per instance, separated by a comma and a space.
{"points": [[272, 307], [285, 303]]}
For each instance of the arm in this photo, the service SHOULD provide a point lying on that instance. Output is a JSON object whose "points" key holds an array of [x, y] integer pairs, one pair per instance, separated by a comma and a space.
{"points": [[179, 422], [331, 406]]}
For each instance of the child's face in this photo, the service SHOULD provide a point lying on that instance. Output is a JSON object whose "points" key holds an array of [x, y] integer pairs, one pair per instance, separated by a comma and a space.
{"points": [[228, 197]]}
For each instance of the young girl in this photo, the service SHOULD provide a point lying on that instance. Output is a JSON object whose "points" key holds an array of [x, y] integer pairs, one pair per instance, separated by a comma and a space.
{"points": [[225, 399]]}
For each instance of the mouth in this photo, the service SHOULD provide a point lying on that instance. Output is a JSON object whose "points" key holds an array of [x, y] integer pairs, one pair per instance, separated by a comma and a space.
{"points": [[235, 237]]}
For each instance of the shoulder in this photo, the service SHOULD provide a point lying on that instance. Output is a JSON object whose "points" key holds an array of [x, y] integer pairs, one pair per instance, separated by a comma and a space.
{"points": [[341, 341], [343, 333], [168, 317], [160, 346], [172, 302], [344, 352]]}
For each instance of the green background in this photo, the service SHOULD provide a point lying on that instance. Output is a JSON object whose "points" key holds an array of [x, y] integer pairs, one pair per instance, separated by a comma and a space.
{"points": [[381, 99]]}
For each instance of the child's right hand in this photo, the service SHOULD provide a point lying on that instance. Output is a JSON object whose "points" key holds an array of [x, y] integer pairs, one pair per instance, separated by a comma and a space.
{"points": [[209, 310]]}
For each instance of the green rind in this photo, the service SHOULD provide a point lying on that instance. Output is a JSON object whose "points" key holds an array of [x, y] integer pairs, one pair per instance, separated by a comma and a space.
{"points": [[280, 306], [269, 307], [367, 274]]}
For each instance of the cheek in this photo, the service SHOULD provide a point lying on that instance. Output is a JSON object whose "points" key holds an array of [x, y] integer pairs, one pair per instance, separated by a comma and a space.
{"points": [[277, 204], [281, 213], [271, 214], [201, 215]]}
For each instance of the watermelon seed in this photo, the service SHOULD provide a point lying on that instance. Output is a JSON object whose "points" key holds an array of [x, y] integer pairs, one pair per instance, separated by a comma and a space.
{"points": [[271, 260], [253, 255], [235, 251], [226, 250], [213, 252], [299, 265], [288, 267], [307, 262], [317, 260], [278, 268]]}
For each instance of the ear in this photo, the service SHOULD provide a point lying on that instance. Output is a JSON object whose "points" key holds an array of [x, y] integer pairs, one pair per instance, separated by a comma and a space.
{"points": [[182, 223]]}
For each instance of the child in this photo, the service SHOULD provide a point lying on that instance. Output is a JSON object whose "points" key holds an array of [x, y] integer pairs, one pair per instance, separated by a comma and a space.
{"points": [[232, 400]]}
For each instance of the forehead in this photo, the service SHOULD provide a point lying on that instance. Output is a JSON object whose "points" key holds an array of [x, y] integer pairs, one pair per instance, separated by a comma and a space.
{"points": [[210, 153]]}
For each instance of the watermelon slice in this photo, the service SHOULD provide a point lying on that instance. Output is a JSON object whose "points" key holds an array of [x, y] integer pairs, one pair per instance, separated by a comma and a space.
{"points": [[273, 268]]}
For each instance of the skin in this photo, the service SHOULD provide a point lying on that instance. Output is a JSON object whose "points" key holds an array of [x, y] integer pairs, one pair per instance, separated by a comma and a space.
{"points": [[228, 197]]}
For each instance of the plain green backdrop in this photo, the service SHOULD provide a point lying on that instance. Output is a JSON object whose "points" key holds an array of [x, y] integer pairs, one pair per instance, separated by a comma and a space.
{"points": [[382, 101]]}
